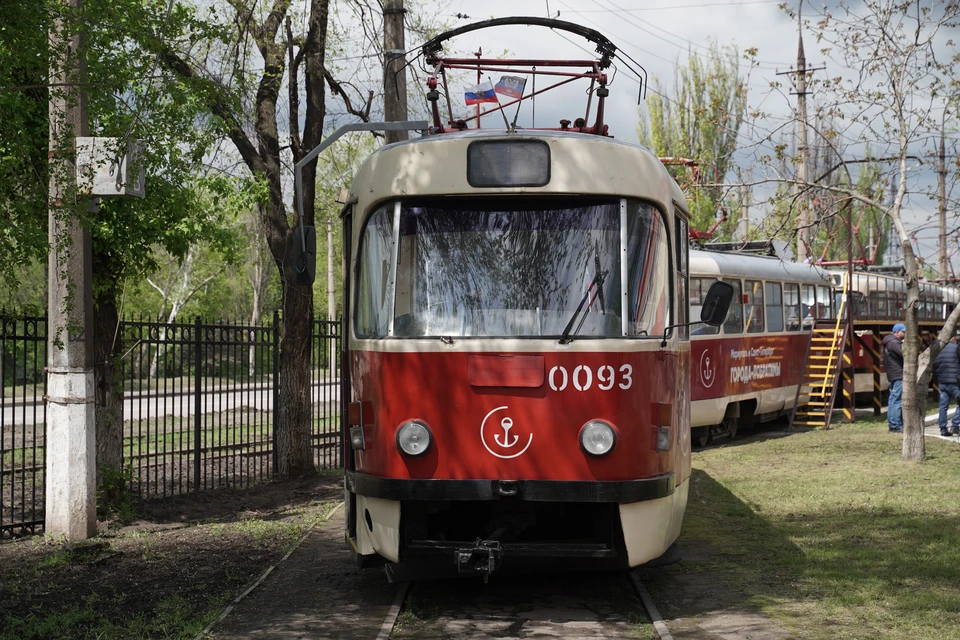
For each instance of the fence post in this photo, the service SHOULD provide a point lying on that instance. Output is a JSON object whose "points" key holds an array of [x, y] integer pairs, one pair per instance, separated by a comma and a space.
{"points": [[276, 383], [197, 401]]}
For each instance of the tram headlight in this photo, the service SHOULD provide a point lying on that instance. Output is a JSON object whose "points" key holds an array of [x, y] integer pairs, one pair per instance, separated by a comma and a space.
{"points": [[414, 438], [598, 438]]}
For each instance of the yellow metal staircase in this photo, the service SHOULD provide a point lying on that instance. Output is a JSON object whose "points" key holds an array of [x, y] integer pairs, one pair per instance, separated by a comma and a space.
{"points": [[821, 372]]}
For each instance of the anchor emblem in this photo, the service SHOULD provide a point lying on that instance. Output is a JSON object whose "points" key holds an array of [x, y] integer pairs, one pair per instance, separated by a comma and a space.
{"points": [[506, 423], [707, 370], [507, 441]]}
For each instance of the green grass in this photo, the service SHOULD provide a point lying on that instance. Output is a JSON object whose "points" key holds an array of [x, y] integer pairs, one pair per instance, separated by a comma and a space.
{"points": [[164, 611], [831, 533]]}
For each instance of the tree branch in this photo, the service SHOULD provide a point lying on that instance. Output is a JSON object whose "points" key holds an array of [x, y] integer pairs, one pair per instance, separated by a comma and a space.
{"points": [[218, 107], [336, 88], [294, 93]]}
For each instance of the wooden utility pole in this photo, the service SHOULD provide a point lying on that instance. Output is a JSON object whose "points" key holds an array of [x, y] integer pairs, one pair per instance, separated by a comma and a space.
{"points": [[945, 271], [394, 68], [71, 436]]}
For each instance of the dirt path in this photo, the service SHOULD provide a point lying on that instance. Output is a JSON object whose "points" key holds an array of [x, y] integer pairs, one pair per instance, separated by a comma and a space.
{"points": [[315, 593]]}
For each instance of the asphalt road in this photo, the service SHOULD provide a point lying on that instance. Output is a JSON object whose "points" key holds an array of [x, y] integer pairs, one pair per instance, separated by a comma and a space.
{"points": [[141, 406]]}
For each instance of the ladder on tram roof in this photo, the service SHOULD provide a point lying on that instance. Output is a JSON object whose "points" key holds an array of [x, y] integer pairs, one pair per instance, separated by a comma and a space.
{"points": [[821, 372]]}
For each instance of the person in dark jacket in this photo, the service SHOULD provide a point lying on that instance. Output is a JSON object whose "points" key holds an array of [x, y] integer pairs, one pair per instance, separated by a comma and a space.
{"points": [[947, 369], [893, 364]]}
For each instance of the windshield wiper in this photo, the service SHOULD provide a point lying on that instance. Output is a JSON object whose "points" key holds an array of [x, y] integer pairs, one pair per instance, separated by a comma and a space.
{"points": [[598, 282]]}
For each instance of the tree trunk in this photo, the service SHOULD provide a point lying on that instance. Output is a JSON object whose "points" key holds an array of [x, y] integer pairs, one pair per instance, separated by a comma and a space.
{"points": [[108, 405], [913, 445], [258, 280], [294, 416]]}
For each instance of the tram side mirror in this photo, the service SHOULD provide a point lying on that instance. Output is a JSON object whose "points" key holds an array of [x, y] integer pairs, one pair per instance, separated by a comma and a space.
{"points": [[304, 255], [716, 304]]}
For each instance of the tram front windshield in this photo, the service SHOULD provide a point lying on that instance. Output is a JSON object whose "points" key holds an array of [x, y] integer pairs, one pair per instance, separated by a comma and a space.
{"points": [[517, 270]]}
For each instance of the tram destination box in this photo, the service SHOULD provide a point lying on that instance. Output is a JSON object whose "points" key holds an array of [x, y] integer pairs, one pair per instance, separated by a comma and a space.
{"points": [[110, 167]]}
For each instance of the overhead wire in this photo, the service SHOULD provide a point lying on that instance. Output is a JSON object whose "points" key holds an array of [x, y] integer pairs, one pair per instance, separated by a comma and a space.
{"points": [[632, 20], [684, 6]]}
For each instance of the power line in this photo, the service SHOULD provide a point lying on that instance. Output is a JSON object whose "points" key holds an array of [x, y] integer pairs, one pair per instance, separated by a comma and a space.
{"points": [[637, 48], [689, 43], [683, 6]]}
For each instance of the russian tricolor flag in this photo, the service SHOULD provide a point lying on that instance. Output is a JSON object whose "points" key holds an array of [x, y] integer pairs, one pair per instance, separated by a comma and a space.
{"points": [[482, 92]]}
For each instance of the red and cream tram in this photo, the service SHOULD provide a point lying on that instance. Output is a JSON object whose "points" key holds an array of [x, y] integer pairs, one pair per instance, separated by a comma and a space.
{"points": [[879, 300], [516, 379], [748, 369]]}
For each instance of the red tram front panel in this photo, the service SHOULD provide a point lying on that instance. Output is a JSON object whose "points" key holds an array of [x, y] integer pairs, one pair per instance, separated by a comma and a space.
{"points": [[518, 416]]}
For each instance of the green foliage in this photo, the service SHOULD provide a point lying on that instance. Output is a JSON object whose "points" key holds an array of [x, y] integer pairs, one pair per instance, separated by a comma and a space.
{"points": [[701, 121], [114, 497], [829, 215], [128, 98], [23, 134]]}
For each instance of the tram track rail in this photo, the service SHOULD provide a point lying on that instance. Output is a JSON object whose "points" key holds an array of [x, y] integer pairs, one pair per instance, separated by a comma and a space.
{"points": [[515, 623]]}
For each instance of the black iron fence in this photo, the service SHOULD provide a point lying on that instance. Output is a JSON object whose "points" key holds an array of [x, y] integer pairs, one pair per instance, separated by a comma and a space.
{"points": [[198, 408], [23, 356]]}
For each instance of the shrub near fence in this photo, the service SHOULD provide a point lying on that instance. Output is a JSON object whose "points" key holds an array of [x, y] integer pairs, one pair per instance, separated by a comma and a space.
{"points": [[198, 408]]}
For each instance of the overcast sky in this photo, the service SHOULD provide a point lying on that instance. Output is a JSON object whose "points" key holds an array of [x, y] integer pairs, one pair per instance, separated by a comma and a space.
{"points": [[657, 34]]}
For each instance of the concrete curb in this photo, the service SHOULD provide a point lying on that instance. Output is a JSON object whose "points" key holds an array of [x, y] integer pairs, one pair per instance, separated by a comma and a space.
{"points": [[209, 628]]}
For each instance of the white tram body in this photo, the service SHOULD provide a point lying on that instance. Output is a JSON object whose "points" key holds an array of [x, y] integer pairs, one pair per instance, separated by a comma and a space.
{"points": [[749, 368]]}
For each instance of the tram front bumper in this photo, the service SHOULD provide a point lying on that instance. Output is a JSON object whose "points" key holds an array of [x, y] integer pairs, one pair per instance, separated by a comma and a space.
{"points": [[429, 489]]}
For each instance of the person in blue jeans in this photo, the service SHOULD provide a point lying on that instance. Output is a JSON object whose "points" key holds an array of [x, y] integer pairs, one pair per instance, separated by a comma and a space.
{"points": [[893, 365], [947, 369]]}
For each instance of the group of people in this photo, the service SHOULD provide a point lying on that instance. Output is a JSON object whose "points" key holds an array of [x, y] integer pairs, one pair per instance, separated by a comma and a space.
{"points": [[946, 368]]}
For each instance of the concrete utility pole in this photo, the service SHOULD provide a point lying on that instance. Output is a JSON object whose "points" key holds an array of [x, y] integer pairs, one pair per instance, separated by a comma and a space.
{"points": [[394, 68], [944, 262], [71, 437], [803, 216], [331, 297], [745, 212]]}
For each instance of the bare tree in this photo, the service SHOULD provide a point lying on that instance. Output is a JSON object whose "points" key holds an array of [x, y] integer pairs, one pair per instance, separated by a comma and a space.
{"points": [[178, 287], [259, 31], [899, 66]]}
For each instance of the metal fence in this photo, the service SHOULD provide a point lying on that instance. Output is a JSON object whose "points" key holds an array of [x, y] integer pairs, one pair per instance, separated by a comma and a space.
{"points": [[23, 356], [198, 408]]}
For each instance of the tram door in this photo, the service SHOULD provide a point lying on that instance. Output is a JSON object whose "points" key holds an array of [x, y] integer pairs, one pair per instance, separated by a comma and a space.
{"points": [[349, 464]]}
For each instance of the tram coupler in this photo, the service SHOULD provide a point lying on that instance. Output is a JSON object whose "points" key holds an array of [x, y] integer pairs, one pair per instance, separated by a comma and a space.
{"points": [[480, 559]]}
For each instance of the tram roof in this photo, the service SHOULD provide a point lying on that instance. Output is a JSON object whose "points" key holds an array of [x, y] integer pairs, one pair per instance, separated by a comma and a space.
{"points": [[753, 266], [436, 165]]}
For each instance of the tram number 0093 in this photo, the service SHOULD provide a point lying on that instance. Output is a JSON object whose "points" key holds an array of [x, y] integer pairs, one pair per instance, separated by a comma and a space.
{"points": [[583, 377]]}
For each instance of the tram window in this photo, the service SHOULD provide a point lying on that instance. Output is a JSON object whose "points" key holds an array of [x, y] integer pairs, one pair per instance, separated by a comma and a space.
{"points": [[698, 293], [373, 299], [808, 304], [648, 255], [861, 304], [753, 306], [734, 322], [774, 307], [824, 303], [497, 268], [791, 306]]}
